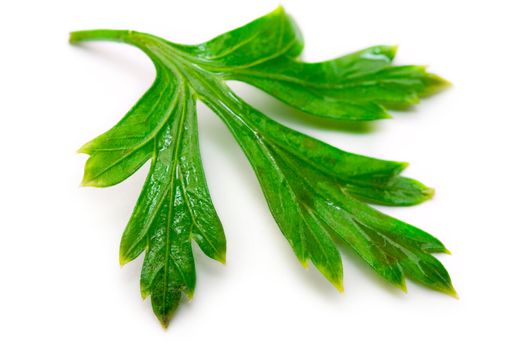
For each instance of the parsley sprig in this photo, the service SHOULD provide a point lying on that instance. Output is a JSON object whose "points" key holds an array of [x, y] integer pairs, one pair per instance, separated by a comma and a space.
{"points": [[318, 194]]}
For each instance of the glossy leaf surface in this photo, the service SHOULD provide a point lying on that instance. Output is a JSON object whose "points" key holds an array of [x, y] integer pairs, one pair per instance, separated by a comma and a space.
{"points": [[318, 194]]}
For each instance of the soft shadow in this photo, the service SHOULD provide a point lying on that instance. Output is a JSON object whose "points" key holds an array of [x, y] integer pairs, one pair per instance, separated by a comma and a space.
{"points": [[130, 273], [215, 132], [204, 265], [316, 281]]}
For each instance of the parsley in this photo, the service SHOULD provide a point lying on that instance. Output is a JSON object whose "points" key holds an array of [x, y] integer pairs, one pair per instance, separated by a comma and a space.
{"points": [[316, 192]]}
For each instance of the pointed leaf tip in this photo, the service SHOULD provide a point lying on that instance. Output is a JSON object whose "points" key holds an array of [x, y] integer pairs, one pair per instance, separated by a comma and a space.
{"points": [[222, 258], [451, 291], [429, 192], [189, 294], [339, 285], [403, 165], [454, 294], [393, 50], [123, 260], [164, 317], [280, 8], [383, 115], [83, 149], [86, 182], [402, 286], [435, 84], [442, 82], [164, 322], [304, 264]]}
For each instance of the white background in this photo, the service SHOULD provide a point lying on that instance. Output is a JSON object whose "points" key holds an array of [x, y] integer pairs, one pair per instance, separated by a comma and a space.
{"points": [[61, 284]]}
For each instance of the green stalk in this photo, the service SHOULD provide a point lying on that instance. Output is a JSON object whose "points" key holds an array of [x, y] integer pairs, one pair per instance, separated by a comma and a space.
{"points": [[101, 34]]}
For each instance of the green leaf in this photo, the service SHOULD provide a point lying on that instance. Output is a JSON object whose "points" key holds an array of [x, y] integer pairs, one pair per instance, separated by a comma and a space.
{"points": [[313, 206], [319, 195], [174, 206], [257, 42], [359, 86], [122, 150]]}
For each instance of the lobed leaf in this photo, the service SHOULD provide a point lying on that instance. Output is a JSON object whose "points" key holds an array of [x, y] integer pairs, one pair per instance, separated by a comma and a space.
{"points": [[173, 208], [319, 195], [359, 86], [261, 40], [122, 150], [312, 206]]}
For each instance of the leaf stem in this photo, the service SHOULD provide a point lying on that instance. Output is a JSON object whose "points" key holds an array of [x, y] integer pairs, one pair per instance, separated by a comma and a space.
{"points": [[100, 34]]}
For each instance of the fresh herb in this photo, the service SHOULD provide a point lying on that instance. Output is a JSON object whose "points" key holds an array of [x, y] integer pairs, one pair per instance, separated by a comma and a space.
{"points": [[316, 193]]}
